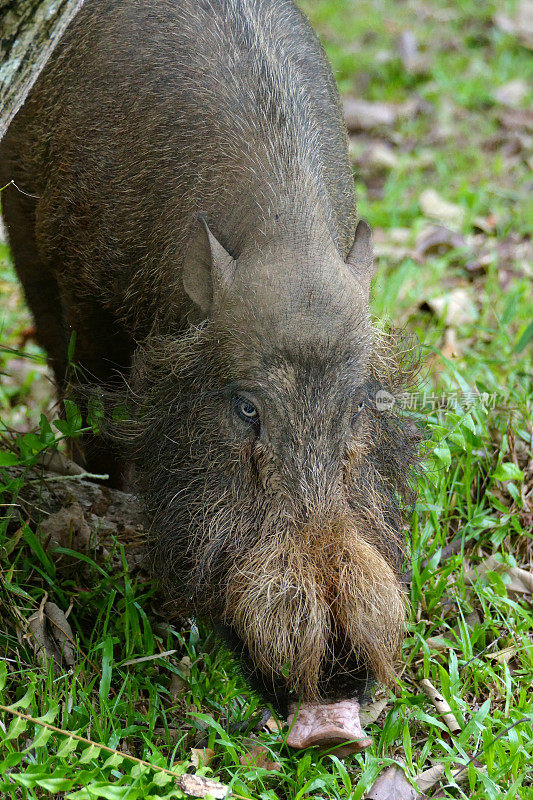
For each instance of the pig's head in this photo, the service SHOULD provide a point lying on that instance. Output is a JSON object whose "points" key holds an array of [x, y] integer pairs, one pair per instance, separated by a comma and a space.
{"points": [[272, 479]]}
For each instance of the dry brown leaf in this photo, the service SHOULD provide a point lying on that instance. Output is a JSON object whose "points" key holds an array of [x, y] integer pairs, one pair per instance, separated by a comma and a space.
{"points": [[364, 115], [52, 635], [479, 264], [180, 683], [195, 786], [471, 620], [441, 705], [437, 240], [438, 643], [370, 713], [455, 308], [68, 528], [430, 777], [407, 48], [487, 224], [442, 642], [504, 655], [273, 725], [436, 207], [520, 119], [450, 346], [259, 756], [520, 25], [60, 464], [201, 756], [379, 156], [519, 581], [391, 784], [427, 779], [412, 60], [511, 93]]}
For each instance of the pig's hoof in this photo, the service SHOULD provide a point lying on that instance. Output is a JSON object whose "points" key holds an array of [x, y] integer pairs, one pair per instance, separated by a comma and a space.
{"points": [[328, 725]]}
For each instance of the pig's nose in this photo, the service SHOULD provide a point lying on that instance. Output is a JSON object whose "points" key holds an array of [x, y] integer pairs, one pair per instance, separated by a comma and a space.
{"points": [[327, 725]]}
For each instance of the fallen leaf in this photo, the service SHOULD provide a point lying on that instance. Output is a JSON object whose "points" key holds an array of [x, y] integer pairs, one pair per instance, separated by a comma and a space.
{"points": [[392, 243], [504, 655], [201, 756], [259, 756], [412, 60], [391, 784], [372, 711], [520, 25], [60, 464], [519, 581], [437, 240], [52, 635], [427, 779], [479, 264], [436, 207], [68, 528], [450, 346], [399, 235], [455, 308], [379, 156], [180, 683], [364, 115], [273, 725], [195, 786], [438, 643], [517, 118], [430, 777], [486, 224], [511, 93]]}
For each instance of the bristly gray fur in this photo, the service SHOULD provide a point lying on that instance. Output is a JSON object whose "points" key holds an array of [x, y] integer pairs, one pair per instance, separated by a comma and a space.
{"points": [[187, 208], [163, 110]]}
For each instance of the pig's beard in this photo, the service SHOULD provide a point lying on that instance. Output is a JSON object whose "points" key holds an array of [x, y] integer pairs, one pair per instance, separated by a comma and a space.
{"points": [[293, 592], [296, 592]]}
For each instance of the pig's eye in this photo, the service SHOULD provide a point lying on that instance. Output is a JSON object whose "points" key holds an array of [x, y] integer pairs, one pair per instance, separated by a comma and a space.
{"points": [[247, 411], [357, 412]]}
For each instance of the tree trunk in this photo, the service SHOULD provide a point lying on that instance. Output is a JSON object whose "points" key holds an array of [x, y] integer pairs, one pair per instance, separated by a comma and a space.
{"points": [[29, 31]]}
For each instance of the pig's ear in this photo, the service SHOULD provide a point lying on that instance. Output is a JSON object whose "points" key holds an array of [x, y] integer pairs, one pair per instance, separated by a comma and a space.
{"points": [[361, 256], [208, 267]]}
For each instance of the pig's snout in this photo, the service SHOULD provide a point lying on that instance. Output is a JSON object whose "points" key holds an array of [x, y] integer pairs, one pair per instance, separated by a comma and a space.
{"points": [[327, 725]]}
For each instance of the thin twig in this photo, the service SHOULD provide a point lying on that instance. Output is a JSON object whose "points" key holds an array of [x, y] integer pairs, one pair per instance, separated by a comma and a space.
{"points": [[80, 477], [180, 778]]}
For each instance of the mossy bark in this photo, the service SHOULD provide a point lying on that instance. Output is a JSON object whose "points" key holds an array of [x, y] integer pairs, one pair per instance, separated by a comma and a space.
{"points": [[29, 31]]}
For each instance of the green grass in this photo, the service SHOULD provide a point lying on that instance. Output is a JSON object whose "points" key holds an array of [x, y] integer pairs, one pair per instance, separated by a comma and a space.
{"points": [[471, 639]]}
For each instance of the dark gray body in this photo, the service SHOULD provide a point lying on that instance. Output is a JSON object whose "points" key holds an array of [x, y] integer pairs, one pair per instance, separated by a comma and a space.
{"points": [[152, 112], [269, 479]]}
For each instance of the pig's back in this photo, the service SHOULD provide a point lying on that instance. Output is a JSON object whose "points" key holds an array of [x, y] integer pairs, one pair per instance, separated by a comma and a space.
{"points": [[152, 111]]}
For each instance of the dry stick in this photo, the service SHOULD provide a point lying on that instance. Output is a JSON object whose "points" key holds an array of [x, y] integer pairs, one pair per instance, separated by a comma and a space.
{"points": [[441, 705], [181, 779], [82, 476]]}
